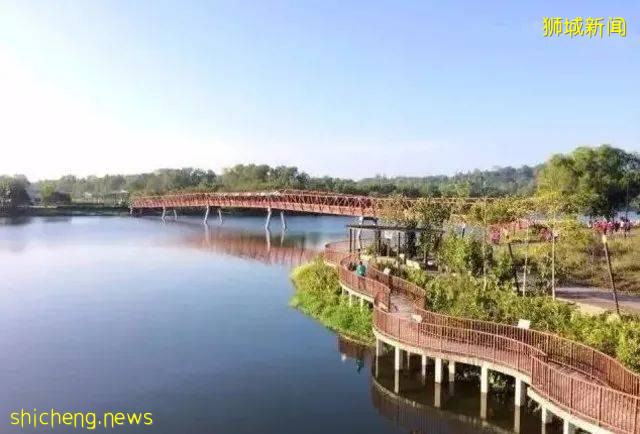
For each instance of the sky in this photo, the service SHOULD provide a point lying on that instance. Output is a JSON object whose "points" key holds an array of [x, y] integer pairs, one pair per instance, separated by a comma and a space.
{"points": [[334, 87]]}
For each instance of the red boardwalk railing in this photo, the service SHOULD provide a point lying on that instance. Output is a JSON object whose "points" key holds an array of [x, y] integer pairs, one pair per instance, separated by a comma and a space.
{"points": [[583, 381]]}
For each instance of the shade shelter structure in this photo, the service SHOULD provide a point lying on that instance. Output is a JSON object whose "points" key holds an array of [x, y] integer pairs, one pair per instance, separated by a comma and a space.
{"points": [[396, 234]]}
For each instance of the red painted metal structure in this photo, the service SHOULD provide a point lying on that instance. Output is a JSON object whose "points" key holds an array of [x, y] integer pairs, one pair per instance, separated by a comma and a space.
{"points": [[287, 200], [585, 382]]}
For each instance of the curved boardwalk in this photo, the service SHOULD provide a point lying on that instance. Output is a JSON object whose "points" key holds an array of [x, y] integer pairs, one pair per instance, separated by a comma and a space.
{"points": [[583, 386]]}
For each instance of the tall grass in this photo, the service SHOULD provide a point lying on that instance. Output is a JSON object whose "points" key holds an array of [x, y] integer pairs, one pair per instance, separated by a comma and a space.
{"points": [[318, 295]]}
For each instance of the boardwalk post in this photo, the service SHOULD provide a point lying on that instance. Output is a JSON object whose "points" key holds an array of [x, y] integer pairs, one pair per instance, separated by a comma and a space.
{"points": [[517, 419], [283, 222], [520, 394], [220, 216], [164, 212], [484, 379], [397, 358], [452, 371], [424, 365], [206, 214], [175, 214], [437, 395], [438, 370]]}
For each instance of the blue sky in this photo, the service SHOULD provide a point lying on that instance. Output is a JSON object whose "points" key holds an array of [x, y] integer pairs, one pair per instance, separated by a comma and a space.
{"points": [[348, 88]]}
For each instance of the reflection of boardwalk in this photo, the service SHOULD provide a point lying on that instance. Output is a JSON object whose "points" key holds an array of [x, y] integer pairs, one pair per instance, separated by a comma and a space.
{"points": [[251, 246], [584, 387], [424, 419]]}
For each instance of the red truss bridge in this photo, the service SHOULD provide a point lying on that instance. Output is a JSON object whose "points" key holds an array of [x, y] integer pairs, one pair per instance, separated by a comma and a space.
{"points": [[318, 202]]}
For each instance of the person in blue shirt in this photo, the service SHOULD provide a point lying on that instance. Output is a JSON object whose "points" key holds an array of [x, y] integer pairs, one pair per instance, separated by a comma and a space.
{"points": [[361, 270]]}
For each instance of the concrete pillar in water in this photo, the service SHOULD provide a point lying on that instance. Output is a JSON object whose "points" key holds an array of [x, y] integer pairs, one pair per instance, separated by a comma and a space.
{"points": [[164, 212], [219, 216], [452, 371], [175, 214], [437, 395], [484, 380], [424, 365], [396, 381], [568, 427], [438, 370], [268, 221], [206, 214], [397, 358], [483, 406], [283, 222], [520, 394], [517, 419]]}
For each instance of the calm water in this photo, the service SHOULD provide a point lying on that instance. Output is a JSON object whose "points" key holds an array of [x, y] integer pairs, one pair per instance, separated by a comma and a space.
{"points": [[193, 325]]}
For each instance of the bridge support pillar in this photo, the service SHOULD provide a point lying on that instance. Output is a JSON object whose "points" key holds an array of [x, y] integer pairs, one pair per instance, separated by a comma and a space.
{"points": [[546, 415], [438, 371], [484, 379], [361, 303], [283, 222], [268, 221], [220, 216], [396, 382], [424, 365], [437, 395], [568, 427], [452, 371], [483, 406], [206, 214], [517, 419], [397, 358], [175, 214], [520, 394], [408, 360], [164, 212]]}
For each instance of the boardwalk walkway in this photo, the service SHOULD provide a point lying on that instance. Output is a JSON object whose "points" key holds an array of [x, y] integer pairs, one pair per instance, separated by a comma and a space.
{"points": [[585, 387]]}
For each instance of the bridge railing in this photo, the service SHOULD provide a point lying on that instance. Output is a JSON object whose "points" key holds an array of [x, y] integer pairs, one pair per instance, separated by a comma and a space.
{"points": [[578, 378]]}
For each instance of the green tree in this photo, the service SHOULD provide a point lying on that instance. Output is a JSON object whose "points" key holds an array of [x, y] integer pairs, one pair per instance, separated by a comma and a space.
{"points": [[602, 180]]}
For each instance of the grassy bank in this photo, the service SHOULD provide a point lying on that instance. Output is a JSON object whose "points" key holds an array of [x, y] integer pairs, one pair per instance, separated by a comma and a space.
{"points": [[318, 295]]}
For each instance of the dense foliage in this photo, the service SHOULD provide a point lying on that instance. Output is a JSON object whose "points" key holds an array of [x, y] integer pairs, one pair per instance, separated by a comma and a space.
{"points": [[318, 295], [603, 180], [245, 177], [463, 295], [13, 192]]}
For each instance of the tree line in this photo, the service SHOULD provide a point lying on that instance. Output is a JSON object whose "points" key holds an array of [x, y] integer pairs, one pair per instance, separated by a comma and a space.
{"points": [[603, 179]]}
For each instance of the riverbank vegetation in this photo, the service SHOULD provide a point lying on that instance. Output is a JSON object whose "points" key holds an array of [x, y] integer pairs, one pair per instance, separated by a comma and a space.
{"points": [[318, 294]]}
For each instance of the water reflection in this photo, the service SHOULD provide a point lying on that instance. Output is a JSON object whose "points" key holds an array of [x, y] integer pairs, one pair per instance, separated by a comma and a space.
{"points": [[416, 403], [251, 245]]}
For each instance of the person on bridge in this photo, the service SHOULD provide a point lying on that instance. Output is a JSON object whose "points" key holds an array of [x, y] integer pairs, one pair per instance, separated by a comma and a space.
{"points": [[361, 269]]}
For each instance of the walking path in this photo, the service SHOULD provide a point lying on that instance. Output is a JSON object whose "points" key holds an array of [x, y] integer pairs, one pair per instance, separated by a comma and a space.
{"points": [[584, 387], [597, 300]]}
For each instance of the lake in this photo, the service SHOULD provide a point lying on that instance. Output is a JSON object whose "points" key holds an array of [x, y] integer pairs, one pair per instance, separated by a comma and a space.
{"points": [[193, 324]]}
